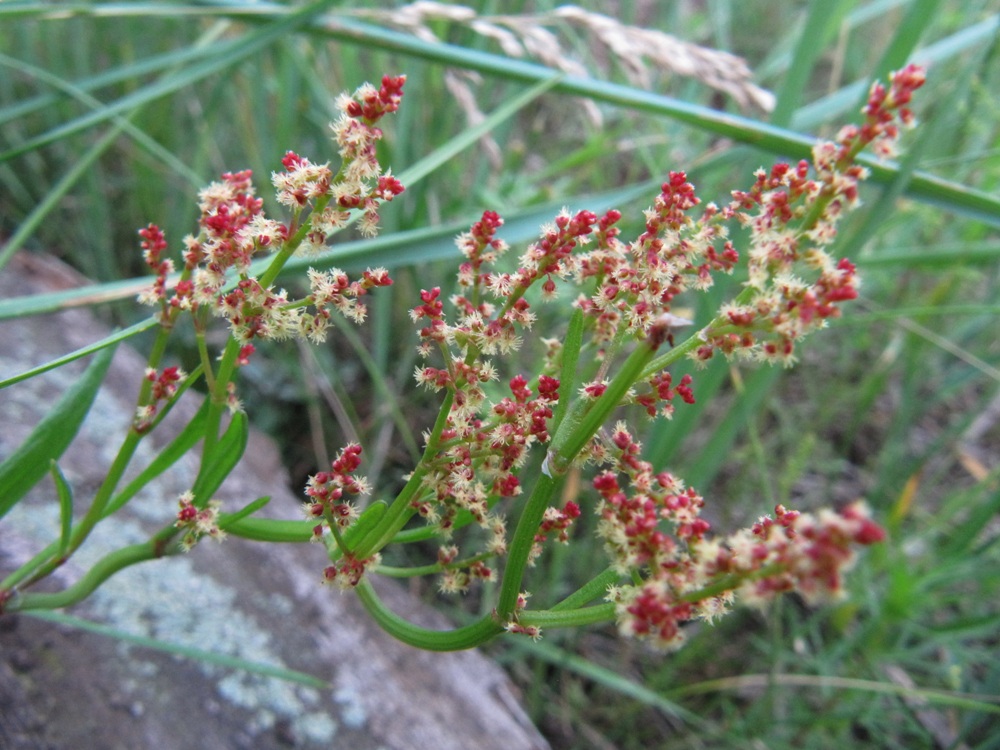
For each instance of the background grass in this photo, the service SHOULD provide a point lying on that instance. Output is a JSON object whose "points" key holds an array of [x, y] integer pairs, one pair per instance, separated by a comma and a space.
{"points": [[112, 115]]}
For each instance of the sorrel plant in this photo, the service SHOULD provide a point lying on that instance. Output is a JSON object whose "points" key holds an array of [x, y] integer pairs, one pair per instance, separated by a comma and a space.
{"points": [[496, 457]]}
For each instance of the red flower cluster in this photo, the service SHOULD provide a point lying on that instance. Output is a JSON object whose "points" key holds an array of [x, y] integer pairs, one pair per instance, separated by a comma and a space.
{"points": [[329, 491], [163, 387], [329, 494], [198, 522], [371, 105], [661, 393]]}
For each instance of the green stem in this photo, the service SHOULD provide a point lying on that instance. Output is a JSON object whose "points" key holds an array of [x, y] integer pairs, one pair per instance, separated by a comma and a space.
{"points": [[107, 566], [271, 530], [699, 338], [432, 568], [521, 544], [575, 432], [458, 639], [589, 591], [568, 618], [568, 368], [401, 509]]}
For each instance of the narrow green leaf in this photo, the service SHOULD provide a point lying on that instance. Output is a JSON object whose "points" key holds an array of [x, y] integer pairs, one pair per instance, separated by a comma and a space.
{"points": [[745, 682], [185, 441], [271, 530], [606, 677], [104, 343], [65, 493], [43, 208], [92, 294], [23, 469], [823, 18], [226, 55], [919, 16], [223, 458], [844, 100], [132, 72], [758, 384], [938, 256], [785, 143], [470, 136], [369, 519], [187, 652], [248, 510]]}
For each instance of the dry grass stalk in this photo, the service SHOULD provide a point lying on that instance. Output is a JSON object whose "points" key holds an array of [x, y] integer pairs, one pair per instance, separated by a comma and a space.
{"points": [[642, 54]]}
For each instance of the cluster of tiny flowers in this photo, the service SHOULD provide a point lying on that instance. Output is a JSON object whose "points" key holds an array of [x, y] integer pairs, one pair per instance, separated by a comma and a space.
{"points": [[198, 522], [556, 524], [153, 244], [792, 213], [357, 135], [637, 283], [513, 626], [625, 292], [233, 229], [329, 493], [329, 501], [657, 400], [791, 552], [347, 572], [164, 387], [458, 575]]}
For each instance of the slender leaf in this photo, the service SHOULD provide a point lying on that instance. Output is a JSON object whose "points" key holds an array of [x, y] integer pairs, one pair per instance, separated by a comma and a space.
{"points": [[176, 649], [248, 510], [222, 459], [104, 343], [23, 469], [65, 493], [226, 55], [821, 22], [607, 678], [185, 441]]}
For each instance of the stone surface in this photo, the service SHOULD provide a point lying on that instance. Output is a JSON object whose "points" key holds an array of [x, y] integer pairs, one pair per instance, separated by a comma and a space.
{"points": [[64, 688]]}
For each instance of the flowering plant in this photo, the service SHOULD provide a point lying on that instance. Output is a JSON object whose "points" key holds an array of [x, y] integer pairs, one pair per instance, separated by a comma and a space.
{"points": [[497, 453]]}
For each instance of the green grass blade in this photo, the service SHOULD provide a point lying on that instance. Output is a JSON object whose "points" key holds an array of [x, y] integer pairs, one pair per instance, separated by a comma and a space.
{"points": [[939, 256], [919, 16], [185, 441], [153, 148], [985, 703], [821, 22], [776, 140], [843, 101], [607, 678], [132, 72], [224, 456], [65, 493], [104, 343], [23, 469], [186, 652], [225, 56], [56, 194], [84, 296], [470, 136]]}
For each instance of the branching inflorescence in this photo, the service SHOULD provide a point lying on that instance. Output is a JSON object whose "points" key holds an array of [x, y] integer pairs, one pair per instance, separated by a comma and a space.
{"points": [[572, 410]]}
